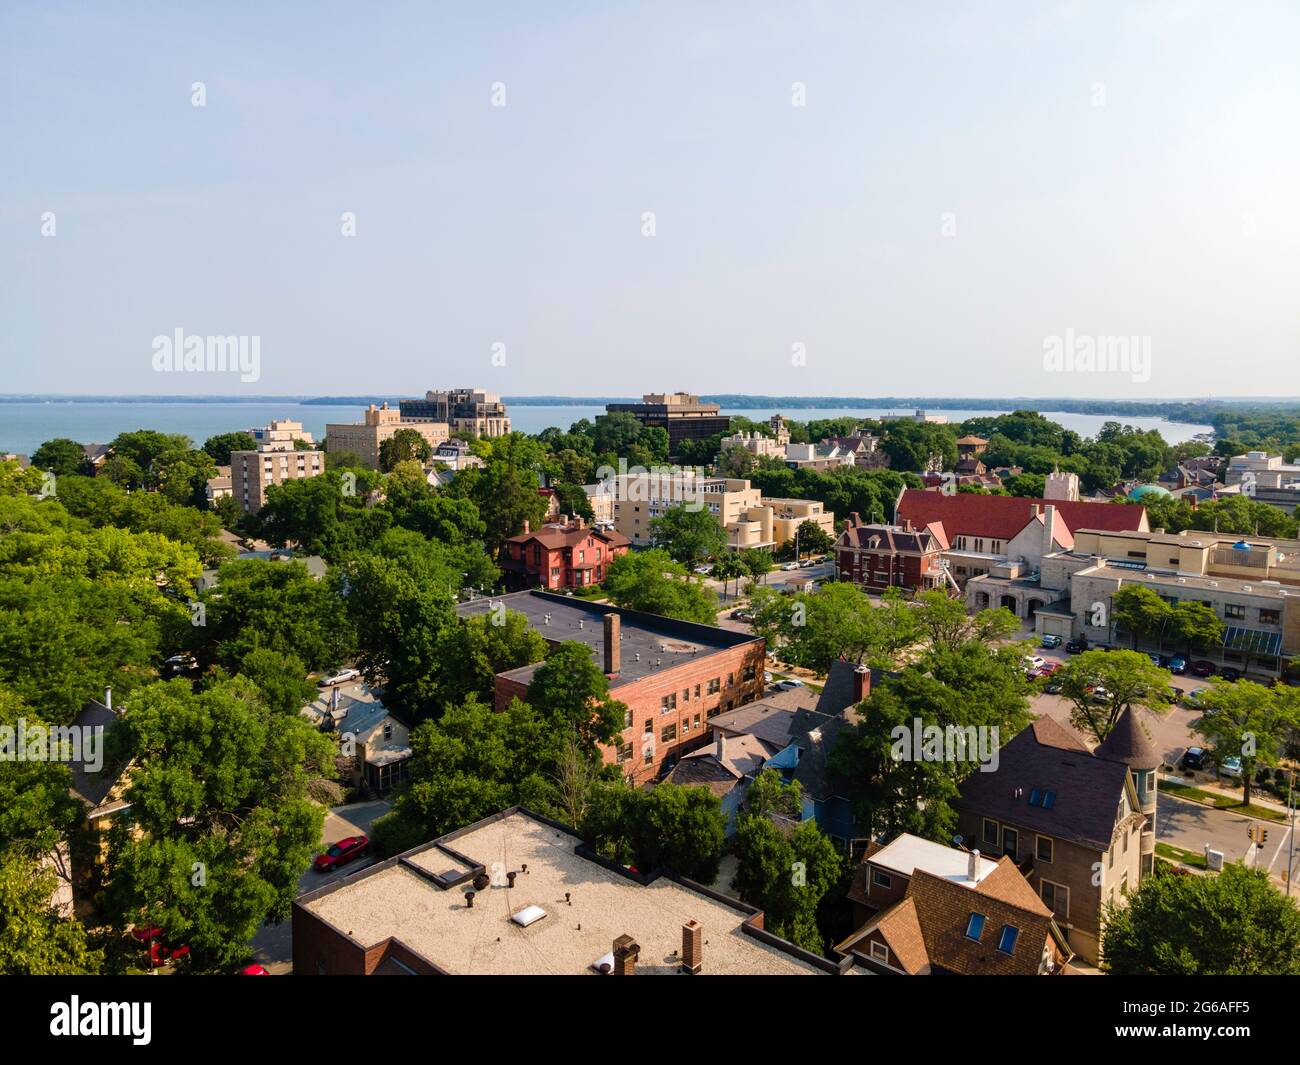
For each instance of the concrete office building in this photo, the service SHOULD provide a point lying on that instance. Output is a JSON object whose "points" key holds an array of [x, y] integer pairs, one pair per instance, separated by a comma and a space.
{"points": [[464, 410], [681, 414]]}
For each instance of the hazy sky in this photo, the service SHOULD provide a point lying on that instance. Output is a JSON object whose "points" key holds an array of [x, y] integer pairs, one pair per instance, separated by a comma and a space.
{"points": [[963, 183]]}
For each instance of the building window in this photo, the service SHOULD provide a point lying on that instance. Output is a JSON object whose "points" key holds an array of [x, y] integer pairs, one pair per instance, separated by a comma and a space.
{"points": [[1269, 617], [648, 756], [627, 718], [1056, 897], [975, 927], [668, 702], [697, 720], [625, 752], [686, 695], [883, 880], [668, 733], [748, 673], [388, 730], [649, 727], [1044, 849], [1234, 611], [1007, 940], [879, 952], [991, 832], [715, 685]]}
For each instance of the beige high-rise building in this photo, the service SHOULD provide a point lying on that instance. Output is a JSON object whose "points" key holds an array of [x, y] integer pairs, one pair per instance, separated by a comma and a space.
{"points": [[276, 460], [465, 410], [365, 438]]}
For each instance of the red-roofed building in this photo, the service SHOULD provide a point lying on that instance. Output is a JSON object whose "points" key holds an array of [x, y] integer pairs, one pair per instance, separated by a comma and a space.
{"points": [[563, 554], [997, 519]]}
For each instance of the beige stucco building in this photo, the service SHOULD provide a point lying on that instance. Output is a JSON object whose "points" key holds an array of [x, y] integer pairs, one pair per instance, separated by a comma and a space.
{"points": [[365, 438], [275, 461]]}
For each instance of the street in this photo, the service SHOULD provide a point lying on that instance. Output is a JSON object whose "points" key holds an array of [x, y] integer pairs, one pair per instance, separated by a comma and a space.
{"points": [[273, 944]]}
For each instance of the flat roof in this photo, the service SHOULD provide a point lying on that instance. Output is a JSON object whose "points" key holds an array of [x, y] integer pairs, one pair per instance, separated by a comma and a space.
{"points": [[909, 853], [431, 918], [660, 642], [1174, 579]]}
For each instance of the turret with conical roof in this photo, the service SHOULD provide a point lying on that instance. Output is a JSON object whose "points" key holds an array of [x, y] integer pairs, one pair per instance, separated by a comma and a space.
{"points": [[1130, 743]]}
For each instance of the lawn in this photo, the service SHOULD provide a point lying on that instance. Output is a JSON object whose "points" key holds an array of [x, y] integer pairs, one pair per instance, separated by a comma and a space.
{"points": [[1221, 802], [1177, 854]]}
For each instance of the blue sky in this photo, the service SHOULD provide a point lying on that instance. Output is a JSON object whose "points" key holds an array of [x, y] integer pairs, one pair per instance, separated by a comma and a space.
{"points": [[964, 182]]}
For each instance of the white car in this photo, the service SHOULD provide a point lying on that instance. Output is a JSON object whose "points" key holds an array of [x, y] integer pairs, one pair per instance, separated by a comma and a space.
{"points": [[789, 566], [788, 683], [341, 677], [1035, 661]]}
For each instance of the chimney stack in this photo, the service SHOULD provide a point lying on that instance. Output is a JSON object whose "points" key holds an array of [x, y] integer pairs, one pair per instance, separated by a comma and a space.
{"points": [[625, 952], [108, 698], [1049, 527], [861, 683], [613, 628], [527, 527], [692, 946], [721, 743], [855, 519], [973, 866]]}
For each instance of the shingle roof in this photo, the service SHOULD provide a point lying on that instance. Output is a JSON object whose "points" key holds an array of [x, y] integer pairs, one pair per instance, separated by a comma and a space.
{"points": [[1045, 757], [896, 538], [553, 536], [1128, 742], [1001, 517]]}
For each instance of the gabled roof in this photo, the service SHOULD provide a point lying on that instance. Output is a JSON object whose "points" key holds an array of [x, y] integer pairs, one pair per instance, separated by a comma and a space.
{"points": [[1045, 757], [1001, 517], [556, 536], [90, 784], [894, 538]]}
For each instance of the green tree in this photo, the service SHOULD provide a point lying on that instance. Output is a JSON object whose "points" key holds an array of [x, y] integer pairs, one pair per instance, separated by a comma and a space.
{"points": [[812, 630], [483, 646], [1233, 924], [222, 823], [281, 679], [405, 445], [652, 582], [35, 938], [786, 871], [812, 539], [758, 564], [1195, 626], [221, 445], [1138, 610], [689, 534], [61, 455], [680, 829], [570, 692], [1247, 721], [1101, 685]]}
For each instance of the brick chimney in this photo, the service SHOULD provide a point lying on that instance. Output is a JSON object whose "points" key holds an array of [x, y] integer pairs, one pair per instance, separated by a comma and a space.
{"points": [[527, 528], [861, 683], [1049, 527], [855, 519], [692, 946], [625, 952], [612, 630]]}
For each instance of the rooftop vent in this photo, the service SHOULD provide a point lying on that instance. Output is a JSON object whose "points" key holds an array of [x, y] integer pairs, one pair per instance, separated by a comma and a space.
{"points": [[528, 915]]}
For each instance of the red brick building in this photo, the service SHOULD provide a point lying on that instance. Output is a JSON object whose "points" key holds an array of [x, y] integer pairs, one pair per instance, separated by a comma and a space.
{"points": [[673, 676], [563, 554], [877, 557]]}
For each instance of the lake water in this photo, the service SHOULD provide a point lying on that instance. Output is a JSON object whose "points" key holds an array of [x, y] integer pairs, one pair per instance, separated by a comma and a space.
{"points": [[25, 426]]}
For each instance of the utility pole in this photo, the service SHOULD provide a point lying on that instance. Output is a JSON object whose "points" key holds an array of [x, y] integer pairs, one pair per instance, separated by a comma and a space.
{"points": [[1290, 854]]}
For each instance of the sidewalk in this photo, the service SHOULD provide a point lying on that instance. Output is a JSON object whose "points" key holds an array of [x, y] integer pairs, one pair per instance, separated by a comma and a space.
{"points": [[1258, 799]]}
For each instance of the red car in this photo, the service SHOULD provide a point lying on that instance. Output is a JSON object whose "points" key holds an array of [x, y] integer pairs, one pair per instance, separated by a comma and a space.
{"points": [[342, 852], [1203, 668], [159, 952], [254, 970]]}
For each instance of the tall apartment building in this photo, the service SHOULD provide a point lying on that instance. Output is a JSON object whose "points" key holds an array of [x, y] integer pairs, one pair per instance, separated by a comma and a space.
{"points": [[465, 410], [275, 461], [365, 438], [681, 414], [751, 521]]}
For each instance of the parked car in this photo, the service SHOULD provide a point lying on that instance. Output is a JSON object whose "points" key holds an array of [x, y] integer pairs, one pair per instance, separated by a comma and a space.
{"points": [[1050, 643], [341, 677], [1178, 665], [1229, 674], [788, 683], [1175, 694], [1203, 668], [789, 566], [254, 970], [1100, 694], [1077, 646], [767, 677], [704, 570], [1052, 687], [1230, 767], [178, 664], [1033, 662], [1193, 758], [1195, 697], [1158, 660], [742, 614], [345, 850]]}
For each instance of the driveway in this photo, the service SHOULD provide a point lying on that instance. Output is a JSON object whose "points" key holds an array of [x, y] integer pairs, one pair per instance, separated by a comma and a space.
{"points": [[273, 944]]}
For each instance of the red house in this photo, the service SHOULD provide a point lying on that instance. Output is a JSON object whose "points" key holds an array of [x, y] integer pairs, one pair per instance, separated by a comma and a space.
{"points": [[562, 554], [877, 557]]}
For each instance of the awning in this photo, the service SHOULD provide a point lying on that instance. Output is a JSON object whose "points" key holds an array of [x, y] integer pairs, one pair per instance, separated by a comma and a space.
{"points": [[1253, 641]]}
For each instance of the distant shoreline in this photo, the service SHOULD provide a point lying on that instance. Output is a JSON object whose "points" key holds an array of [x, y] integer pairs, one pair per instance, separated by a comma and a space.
{"points": [[1173, 410]]}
